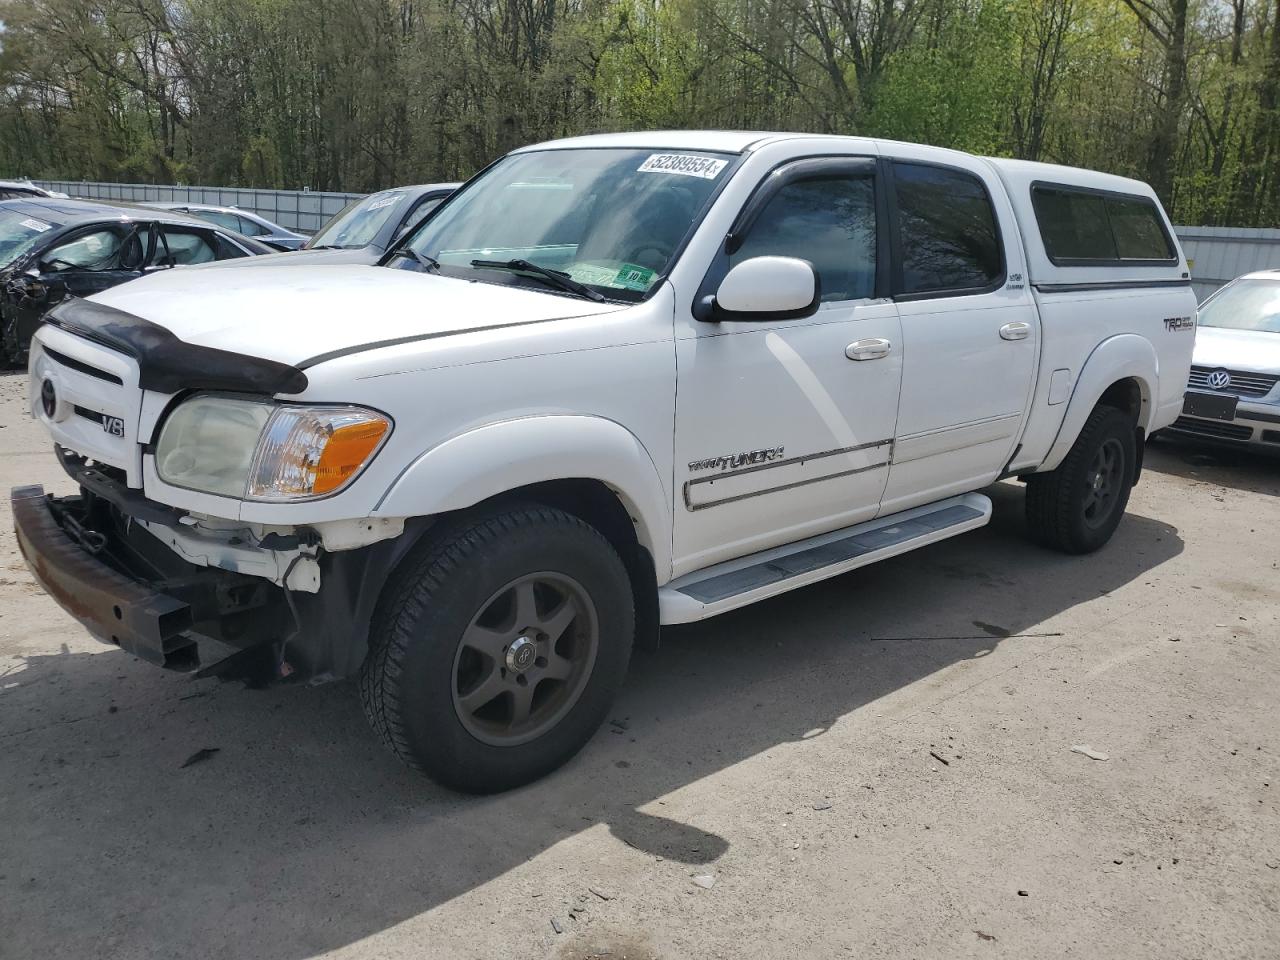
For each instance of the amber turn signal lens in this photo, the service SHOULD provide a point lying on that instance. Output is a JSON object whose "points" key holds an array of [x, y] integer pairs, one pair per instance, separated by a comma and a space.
{"points": [[348, 448], [313, 451]]}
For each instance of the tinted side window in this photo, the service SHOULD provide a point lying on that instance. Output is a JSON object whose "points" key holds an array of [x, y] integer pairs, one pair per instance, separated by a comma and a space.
{"points": [[948, 230], [831, 222], [227, 220], [1138, 231], [417, 216], [225, 249], [1074, 225], [1081, 225]]}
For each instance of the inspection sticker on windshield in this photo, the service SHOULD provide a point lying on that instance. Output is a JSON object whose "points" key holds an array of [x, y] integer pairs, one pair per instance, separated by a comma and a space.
{"points": [[686, 165], [385, 201], [631, 277], [39, 226]]}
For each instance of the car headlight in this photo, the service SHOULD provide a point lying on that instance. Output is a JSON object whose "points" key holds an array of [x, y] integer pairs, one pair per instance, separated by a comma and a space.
{"points": [[255, 450]]}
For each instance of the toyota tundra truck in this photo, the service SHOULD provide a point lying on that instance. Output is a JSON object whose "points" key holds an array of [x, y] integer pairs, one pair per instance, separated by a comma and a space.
{"points": [[613, 383]]}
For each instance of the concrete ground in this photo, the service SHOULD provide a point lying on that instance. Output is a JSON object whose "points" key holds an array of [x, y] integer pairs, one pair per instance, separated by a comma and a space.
{"points": [[877, 766]]}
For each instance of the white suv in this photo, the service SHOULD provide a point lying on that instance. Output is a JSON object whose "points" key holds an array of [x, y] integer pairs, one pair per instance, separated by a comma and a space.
{"points": [[615, 382]]}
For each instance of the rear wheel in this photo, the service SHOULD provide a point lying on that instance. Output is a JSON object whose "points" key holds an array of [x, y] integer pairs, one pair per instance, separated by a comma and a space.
{"points": [[498, 648], [1077, 507]]}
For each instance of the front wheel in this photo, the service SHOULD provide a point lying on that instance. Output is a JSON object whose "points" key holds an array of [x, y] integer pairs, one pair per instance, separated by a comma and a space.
{"points": [[13, 353], [1077, 507], [498, 647]]}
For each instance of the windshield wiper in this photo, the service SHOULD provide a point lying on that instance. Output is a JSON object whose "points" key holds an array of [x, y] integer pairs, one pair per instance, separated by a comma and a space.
{"points": [[430, 263], [558, 277]]}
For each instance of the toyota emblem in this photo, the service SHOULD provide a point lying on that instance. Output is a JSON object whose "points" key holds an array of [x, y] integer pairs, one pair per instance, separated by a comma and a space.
{"points": [[1219, 380], [48, 398]]}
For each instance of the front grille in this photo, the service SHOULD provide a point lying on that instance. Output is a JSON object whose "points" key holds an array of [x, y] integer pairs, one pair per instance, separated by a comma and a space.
{"points": [[1242, 384], [84, 368], [1213, 428]]}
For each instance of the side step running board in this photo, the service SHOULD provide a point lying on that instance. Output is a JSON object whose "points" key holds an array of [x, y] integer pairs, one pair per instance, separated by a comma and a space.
{"points": [[736, 583]]}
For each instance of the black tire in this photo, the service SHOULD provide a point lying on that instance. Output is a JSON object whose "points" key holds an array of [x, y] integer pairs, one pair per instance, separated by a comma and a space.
{"points": [[1064, 510], [410, 682], [13, 355]]}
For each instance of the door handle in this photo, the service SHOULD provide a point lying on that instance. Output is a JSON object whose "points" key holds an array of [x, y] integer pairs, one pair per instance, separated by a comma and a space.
{"points": [[1018, 330], [872, 349]]}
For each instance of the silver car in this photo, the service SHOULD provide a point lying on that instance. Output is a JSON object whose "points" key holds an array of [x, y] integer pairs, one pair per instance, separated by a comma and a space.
{"points": [[240, 221], [21, 189], [1232, 394]]}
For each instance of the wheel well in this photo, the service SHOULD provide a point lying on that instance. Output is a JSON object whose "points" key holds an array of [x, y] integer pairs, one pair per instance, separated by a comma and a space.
{"points": [[595, 503], [1125, 395]]}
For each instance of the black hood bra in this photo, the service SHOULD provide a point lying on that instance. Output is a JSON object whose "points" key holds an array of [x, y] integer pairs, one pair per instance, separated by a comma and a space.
{"points": [[167, 364]]}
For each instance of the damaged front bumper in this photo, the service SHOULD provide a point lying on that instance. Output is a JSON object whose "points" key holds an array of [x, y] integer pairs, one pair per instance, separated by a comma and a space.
{"points": [[129, 589], [137, 578]]}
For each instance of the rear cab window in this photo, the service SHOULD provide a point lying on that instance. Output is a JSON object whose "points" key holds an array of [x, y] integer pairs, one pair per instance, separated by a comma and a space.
{"points": [[1086, 227]]}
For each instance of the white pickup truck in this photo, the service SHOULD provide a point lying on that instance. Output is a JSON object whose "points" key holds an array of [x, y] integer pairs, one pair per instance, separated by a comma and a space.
{"points": [[614, 382]]}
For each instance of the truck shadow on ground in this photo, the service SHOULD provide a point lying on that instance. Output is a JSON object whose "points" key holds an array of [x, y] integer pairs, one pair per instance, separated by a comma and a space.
{"points": [[301, 834], [1247, 470]]}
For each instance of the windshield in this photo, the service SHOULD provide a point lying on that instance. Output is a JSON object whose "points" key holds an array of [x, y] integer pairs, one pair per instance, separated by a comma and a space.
{"points": [[1245, 305], [611, 220], [19, 233], [358, 223]]}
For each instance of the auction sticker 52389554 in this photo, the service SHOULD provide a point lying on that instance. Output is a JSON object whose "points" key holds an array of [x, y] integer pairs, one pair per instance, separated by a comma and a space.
{"points": [[684, 164]]}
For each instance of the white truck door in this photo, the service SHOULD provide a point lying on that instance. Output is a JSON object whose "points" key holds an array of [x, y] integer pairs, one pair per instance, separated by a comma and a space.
{"points": [[784, 427], [969, 326]]}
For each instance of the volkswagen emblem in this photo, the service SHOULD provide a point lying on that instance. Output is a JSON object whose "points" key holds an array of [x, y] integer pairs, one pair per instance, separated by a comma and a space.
{"points": [[48, 398], [1219, 380]]}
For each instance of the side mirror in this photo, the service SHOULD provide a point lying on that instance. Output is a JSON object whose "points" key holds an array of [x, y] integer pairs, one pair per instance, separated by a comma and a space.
{"points": [[765, 288]]}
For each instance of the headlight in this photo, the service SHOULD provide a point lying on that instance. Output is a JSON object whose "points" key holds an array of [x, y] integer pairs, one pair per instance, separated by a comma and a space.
{"points": [[253, 450]]}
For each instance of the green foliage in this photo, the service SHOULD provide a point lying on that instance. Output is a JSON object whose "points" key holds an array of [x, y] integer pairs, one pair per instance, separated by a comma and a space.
{"points": [[362, 94], [953, 90]]}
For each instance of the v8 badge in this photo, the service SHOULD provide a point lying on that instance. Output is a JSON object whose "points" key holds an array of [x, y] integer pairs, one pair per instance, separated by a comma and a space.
{"points": [[113, 426]]}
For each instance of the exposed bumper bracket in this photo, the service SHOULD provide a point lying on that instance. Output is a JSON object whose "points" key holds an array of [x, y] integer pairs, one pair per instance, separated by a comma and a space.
{"points": [[126, 588], [111, 606]]}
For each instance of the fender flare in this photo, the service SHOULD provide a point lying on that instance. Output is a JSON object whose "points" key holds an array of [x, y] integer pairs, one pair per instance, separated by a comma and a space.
{"points": [[498, 457], [1124, 356]]}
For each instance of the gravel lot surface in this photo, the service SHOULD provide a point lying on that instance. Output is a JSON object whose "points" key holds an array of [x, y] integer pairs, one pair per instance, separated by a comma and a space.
{"points": [[877, 766]]}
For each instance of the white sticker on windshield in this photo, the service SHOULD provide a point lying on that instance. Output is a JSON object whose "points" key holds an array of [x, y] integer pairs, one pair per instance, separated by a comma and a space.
{"points": [[686, 165], [385, 201], [39, 226]]}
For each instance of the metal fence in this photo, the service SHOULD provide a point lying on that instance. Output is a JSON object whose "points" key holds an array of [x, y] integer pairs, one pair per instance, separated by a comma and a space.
{"points": [[301, 210], [1217, 254], [1220, 254]]}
